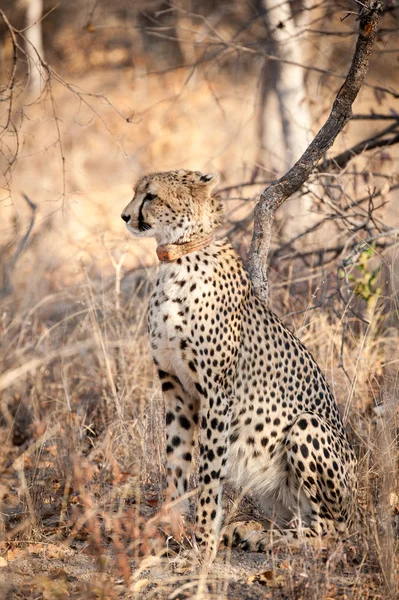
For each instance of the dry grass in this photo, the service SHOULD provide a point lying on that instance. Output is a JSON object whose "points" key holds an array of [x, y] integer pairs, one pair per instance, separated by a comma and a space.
{"points": [[82, 461], [82, 458], [81, 424]]}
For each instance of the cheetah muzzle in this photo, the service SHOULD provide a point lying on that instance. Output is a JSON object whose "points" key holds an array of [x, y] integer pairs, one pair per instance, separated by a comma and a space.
{"points": [[228, 367]]}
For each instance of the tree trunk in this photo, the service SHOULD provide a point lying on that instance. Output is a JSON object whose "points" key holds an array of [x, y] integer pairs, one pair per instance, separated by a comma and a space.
{"points": [[285, 122], [34, 44], [279, 191]]}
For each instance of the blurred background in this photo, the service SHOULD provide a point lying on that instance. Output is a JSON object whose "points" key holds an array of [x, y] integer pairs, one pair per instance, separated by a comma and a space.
{"points": [[94, 94]]}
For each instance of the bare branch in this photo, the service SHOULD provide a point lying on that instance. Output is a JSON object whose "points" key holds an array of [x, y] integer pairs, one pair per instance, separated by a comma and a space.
{"points": [[375, 117], [291, 182], [341, 160]]}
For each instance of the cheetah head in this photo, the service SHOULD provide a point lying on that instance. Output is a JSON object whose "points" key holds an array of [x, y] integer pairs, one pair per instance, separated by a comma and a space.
{"points": [[175, 206]]}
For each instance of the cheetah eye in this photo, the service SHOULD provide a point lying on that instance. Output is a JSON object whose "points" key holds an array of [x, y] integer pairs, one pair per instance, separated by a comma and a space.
{"points": [[149, 197]]}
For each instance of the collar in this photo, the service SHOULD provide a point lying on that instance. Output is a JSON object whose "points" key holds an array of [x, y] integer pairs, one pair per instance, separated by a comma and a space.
{"points": [[170, 252]]}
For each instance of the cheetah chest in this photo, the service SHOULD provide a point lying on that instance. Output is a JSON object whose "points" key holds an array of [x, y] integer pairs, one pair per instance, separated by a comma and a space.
{"points": [[176, 324]]}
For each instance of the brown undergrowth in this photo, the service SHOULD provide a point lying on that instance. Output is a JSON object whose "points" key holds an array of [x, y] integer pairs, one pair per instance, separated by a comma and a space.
{"points": [[81, 413], [82, 457]]}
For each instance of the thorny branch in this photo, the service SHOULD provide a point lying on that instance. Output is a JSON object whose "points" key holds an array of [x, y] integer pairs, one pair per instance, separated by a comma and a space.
{"points": [[291, 182]]}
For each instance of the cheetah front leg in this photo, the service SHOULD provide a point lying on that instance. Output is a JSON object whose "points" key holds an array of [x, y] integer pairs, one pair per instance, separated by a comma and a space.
{"points": [[181, 416], [214, 435]]}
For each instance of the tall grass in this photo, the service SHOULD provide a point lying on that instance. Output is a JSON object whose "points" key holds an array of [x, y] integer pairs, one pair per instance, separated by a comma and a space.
{"points": [[83, 450], [81, 414]]}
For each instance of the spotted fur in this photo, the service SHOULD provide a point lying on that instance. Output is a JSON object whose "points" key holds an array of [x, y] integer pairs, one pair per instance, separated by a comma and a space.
{"points": [[267, 419]]}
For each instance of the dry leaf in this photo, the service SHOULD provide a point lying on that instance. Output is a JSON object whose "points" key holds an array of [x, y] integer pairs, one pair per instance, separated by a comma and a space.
{"points": [[268, 578]]}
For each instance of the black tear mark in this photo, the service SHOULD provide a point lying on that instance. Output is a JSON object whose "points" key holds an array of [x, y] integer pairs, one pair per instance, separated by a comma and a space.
{"points": [[143, 226]]}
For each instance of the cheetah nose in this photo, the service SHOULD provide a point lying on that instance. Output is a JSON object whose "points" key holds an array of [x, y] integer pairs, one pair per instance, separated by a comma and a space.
{"points": [[126, 218]]}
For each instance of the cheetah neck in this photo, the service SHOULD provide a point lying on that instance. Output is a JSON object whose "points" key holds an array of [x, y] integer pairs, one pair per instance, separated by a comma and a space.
{"points": [[170, 252]]}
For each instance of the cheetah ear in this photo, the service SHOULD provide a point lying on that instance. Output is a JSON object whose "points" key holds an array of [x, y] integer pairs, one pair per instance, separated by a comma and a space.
{"points": [[210, 180]]}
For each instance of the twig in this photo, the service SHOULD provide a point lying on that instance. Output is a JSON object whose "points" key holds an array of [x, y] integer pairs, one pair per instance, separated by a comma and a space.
{"points": [[375, 117], [10, 90], [360, 246], [8, 267], [375, 194], [118, 268], [336, 250], [291, 182], [377, 141]]}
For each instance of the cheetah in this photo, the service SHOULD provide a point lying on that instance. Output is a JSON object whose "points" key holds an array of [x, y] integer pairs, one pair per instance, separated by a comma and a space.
{"points": [[266, 417]]}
